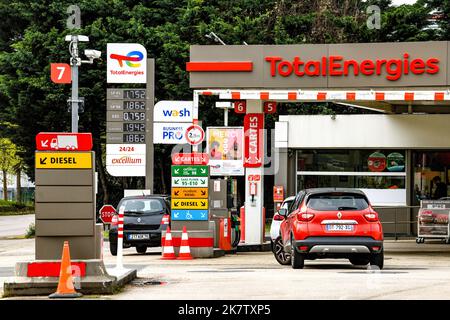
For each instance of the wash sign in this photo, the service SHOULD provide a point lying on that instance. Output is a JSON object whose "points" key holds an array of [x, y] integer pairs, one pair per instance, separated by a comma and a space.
{"points": [[173, 111]]}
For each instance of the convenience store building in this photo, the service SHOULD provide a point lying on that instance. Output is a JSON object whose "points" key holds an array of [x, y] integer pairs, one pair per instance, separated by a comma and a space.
{"points": [[393, 154]]}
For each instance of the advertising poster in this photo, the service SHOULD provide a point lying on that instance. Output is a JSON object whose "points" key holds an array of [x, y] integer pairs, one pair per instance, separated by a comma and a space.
{"points": [[225, 150]]}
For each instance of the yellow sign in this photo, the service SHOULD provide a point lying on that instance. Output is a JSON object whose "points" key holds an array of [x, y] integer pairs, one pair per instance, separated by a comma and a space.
{"points": [[190, 193], [63, 160], [189, 204]]}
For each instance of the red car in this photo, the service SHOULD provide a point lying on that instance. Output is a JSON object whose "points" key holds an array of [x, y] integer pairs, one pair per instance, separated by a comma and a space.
{"points": [[332, 223]]}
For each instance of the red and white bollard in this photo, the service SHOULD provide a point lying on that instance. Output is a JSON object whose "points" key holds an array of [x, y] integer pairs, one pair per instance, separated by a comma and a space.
{"points": [[119, 264], [119, 269]]}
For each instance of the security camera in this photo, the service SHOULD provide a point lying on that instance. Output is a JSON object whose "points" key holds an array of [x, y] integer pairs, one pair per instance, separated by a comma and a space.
{"points": [[92, 54]]}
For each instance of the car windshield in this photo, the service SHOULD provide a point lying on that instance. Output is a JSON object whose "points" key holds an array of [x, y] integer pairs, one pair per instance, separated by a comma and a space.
{"points": [[286, 204], [142, 206], [340, 201]]}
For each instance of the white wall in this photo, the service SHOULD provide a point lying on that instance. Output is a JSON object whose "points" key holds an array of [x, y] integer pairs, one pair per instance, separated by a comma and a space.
{"points": [[430, 131]]}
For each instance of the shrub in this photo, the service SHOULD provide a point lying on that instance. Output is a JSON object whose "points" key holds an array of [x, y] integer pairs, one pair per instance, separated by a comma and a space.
{"points": [[31, 231]]}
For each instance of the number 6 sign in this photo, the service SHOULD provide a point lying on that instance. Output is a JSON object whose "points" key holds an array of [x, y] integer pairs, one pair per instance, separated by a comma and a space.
{"points": [[60, 73], [240, 106]]}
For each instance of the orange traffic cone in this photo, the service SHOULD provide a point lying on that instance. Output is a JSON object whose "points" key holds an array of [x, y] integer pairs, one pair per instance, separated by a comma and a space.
{"points": [[168, 251], [65, 284], [185, 251]]}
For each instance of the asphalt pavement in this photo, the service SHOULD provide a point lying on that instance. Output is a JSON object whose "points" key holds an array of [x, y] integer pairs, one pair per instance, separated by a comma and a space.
{"points": [[418, 271], [12, 226]]}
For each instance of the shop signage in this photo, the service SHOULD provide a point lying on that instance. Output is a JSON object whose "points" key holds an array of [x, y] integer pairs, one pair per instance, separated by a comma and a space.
{"points": [[170, 133], [63, 160], [173, 111], [253, 145], [190, 158], [278, 193], [186, 215], [62, 141], [225, 150], [201, 182], [407, 64], [126, 160], [190, 171], [376, 162], [339, 66], [126, 63], [190, 193], [189, 204], [395, 162]]}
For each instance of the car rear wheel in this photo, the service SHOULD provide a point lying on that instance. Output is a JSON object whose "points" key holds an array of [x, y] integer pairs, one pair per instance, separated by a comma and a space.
{"points": [[113, 248], [281, 256], [297, 259], [377, 259], [359, 261], [141, 249]]}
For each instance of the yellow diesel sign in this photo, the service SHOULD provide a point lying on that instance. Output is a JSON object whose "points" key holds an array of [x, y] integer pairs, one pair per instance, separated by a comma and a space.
{"points": [[189, 204], [63, 160]]}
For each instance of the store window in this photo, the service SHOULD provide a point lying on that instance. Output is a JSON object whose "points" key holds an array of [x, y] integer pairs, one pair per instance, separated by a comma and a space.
{"points": [[431, 175], [380, 174]]}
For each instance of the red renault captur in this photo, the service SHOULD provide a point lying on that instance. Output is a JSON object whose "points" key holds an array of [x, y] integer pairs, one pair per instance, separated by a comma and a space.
{"points": [[332, 223]]}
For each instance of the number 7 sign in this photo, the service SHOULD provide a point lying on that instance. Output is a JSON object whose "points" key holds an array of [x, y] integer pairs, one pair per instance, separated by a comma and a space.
{"points": [[60, 73]]}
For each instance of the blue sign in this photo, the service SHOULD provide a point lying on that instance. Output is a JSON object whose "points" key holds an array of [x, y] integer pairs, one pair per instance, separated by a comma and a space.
{"points": [[190, 215]]}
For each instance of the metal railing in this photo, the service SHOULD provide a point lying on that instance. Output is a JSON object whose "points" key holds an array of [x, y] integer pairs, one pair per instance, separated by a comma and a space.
{"points": [[408, 211]]}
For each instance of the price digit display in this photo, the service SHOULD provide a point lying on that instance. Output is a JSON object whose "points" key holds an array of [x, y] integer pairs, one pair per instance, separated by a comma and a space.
{"points": [[134, 94], [134, 105], [134, 116], [133, 138], [134, 127]]}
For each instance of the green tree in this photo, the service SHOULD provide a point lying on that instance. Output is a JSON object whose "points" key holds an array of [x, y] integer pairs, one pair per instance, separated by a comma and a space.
{"points": [[9, 161]]}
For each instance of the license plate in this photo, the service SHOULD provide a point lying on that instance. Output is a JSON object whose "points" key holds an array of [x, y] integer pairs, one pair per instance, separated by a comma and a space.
{"points": [[339, 227], [141, 236]]}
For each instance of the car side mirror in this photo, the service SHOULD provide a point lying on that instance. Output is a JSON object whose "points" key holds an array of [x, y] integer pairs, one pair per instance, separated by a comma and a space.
{"points": [[283, 212]]}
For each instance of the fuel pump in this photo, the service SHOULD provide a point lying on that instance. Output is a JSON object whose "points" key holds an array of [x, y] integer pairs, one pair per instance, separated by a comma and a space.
{"points": [[224, 213]]}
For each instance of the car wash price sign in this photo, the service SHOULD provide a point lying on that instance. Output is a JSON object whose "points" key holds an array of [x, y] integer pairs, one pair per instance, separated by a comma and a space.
{"points": [[190, 193]]}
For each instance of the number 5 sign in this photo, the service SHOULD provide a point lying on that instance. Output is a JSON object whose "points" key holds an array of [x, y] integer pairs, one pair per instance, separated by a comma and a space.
{"points": [[60, 73]]}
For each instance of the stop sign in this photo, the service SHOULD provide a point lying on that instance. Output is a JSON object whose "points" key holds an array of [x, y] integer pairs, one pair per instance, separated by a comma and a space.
{"points": [[106, 213]]}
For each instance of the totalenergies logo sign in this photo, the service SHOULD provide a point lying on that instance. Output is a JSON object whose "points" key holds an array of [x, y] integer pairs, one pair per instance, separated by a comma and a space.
{"points": [[338, 66], [126, 63], [129, 58]]}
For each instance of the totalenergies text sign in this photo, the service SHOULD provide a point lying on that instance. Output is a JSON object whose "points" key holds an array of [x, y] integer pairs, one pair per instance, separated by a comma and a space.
{"points": [[351, 65]]}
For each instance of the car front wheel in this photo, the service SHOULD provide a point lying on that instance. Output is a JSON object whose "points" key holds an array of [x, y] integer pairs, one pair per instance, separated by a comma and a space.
{"points": [[281, 256], [297, 259], [113, 248]]}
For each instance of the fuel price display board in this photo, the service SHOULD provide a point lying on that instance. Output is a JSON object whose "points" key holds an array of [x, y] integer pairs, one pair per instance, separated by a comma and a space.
{"points": [[126, 116], [126, 129]]}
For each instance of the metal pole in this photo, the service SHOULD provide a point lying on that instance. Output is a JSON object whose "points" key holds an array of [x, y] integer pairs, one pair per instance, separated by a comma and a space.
{"points": [[74, 69], [149, 106], [225, 117]]}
